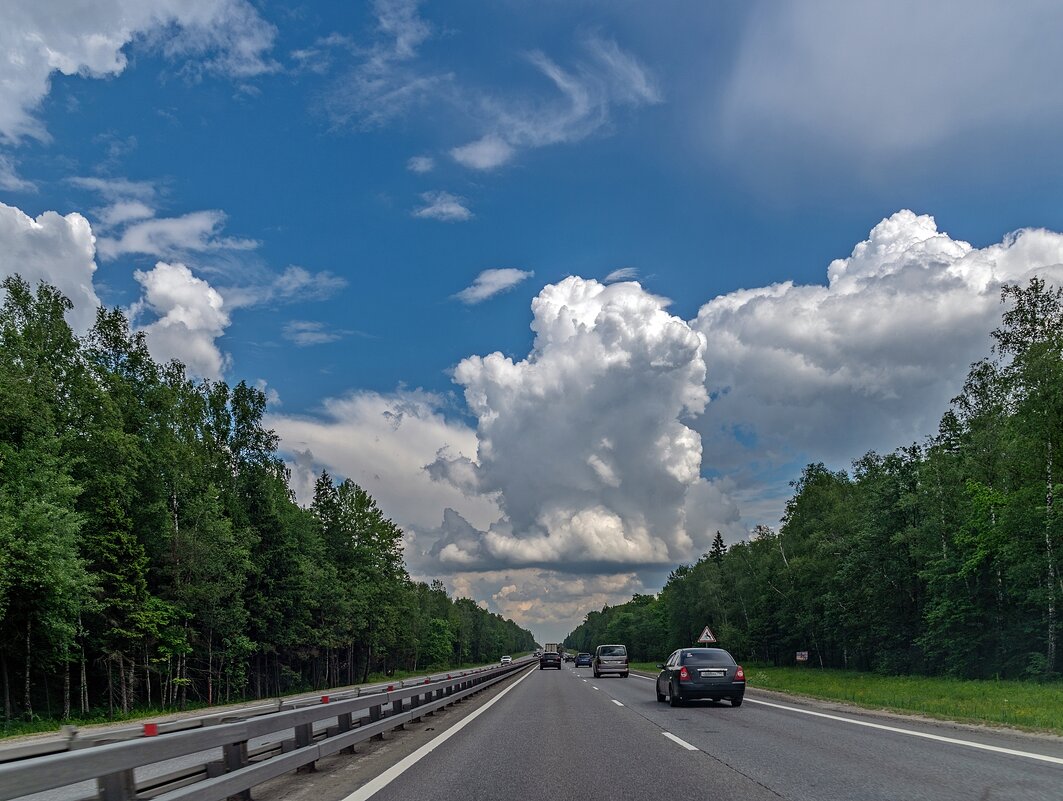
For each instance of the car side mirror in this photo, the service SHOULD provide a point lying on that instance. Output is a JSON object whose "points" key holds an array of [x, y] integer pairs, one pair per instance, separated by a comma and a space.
{"points": [[660, 666]]}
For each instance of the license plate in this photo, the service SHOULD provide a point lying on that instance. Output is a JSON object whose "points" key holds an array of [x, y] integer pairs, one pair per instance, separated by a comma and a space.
{"points": [[713, 674]]}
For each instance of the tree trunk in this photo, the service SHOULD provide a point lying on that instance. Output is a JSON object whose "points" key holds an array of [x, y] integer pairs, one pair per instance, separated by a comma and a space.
{"points": [[84, 684], [7, 687], [110, 687], [27, 682], [147, 676], [210, 668], [66, 689]]}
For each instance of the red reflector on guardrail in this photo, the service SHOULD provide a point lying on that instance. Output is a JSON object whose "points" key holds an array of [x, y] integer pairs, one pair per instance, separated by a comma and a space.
{"points": [[324, 699], [391, 687], [151, 729]]}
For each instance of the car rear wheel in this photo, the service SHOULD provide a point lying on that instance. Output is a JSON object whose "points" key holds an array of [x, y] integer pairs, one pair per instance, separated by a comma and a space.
{"points": [[736, 702], [597, 675], [674, 698], [623, 675], [660, 696]]}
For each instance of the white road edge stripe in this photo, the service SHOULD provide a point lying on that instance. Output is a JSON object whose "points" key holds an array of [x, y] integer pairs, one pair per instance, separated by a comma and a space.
{"points": [[952, 740], [617, 702], [683, 743], [373, 786], [937, 737]]}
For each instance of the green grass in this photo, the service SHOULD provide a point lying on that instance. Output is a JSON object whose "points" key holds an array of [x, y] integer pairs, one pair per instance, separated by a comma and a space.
{"points": [[1024, 705]]}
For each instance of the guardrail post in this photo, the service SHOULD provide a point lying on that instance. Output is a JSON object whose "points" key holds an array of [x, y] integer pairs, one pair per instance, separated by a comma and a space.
{"points": [[396, 709], [345, 723], [304, 736], [117, 786], [234, 755]]}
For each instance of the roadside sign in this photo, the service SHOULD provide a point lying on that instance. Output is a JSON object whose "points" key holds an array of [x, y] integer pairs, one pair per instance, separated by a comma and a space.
{"points": [[707, 636], [802, 656]]}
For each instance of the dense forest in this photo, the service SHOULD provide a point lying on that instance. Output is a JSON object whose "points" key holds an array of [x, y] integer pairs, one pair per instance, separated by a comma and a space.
{"points": [[938, 559], [152, 553]]}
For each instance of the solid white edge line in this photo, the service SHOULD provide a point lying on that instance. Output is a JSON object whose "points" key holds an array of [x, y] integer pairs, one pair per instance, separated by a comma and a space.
{"points": [[616, 702], [378, 783], [939, 738], [926, 736], [683, 743]]}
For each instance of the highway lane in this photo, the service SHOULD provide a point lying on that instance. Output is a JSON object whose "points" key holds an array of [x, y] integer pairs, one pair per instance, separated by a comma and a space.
{"points": [[567, 735], [812, 751], [551, 737]]}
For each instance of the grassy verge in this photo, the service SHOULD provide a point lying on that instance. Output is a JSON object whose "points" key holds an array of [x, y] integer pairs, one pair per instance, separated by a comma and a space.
{"points": [[1024, 705]]}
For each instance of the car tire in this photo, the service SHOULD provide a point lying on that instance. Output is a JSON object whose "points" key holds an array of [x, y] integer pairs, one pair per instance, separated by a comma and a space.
{"points": [[736, 702], [674, 698], [623, 675], [660, 697], [597, 675]]}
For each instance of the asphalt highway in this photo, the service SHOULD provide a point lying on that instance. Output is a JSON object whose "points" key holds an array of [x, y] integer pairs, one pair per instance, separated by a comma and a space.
{"points": [[566, 735]]}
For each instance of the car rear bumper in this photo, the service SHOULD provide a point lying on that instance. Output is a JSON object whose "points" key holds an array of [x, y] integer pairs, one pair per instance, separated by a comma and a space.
{"points": [[715, 691]]}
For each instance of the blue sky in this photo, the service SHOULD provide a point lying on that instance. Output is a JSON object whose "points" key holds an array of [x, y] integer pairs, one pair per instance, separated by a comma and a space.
{"points": [[350, 204]]}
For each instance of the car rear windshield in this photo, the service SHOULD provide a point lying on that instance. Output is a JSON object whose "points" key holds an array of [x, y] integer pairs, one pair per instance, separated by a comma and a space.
{"points": [[612, 650], [708, 658]]}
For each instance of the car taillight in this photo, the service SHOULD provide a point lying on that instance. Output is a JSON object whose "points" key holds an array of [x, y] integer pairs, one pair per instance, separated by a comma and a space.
{"points": [[740, 675], [684, 674]]}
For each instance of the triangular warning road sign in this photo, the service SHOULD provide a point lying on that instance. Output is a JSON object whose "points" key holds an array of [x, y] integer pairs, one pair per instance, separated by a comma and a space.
{"points": [[707, 636]]}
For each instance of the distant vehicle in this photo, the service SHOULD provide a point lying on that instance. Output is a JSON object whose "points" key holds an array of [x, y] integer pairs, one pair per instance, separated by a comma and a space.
{"points": [[610, 659], [550, 659], [506, 660], [552, 648], [569, 657], [701, 673], [583, 660]]}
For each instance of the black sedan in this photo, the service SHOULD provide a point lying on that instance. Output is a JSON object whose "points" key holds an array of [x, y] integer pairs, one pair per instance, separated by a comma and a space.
{"points": [[550, 659], [701, 673]]}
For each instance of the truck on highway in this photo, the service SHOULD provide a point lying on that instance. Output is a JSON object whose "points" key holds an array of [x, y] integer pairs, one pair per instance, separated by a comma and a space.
{"points": [[552, 648]]}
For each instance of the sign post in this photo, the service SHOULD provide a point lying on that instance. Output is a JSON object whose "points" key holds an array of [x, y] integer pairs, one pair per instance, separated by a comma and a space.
{"points": [[707, 636]]}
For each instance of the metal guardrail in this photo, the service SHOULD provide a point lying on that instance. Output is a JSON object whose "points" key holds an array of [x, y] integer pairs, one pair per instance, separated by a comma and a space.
{"points": [[350, 717]]}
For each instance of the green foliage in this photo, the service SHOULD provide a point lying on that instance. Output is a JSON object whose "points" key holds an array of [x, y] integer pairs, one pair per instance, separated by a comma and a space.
{"points": [[152, 553]]}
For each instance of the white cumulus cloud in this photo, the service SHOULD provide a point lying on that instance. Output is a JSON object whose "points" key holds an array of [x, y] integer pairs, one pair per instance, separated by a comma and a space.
{"points": [[443, 206], [195, 232], [55, 249], [871, 359], [189, 316], [491, 282], [382, 442], [584, 442], [90, 39], [483, 154]]}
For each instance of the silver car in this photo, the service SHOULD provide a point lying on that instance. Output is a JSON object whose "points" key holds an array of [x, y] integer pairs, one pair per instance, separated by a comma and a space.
{"points": [[610, 659]]}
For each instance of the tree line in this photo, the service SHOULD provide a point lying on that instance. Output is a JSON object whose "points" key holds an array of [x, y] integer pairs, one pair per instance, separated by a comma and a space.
{"points": [[941, 558], [152, 552]]}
